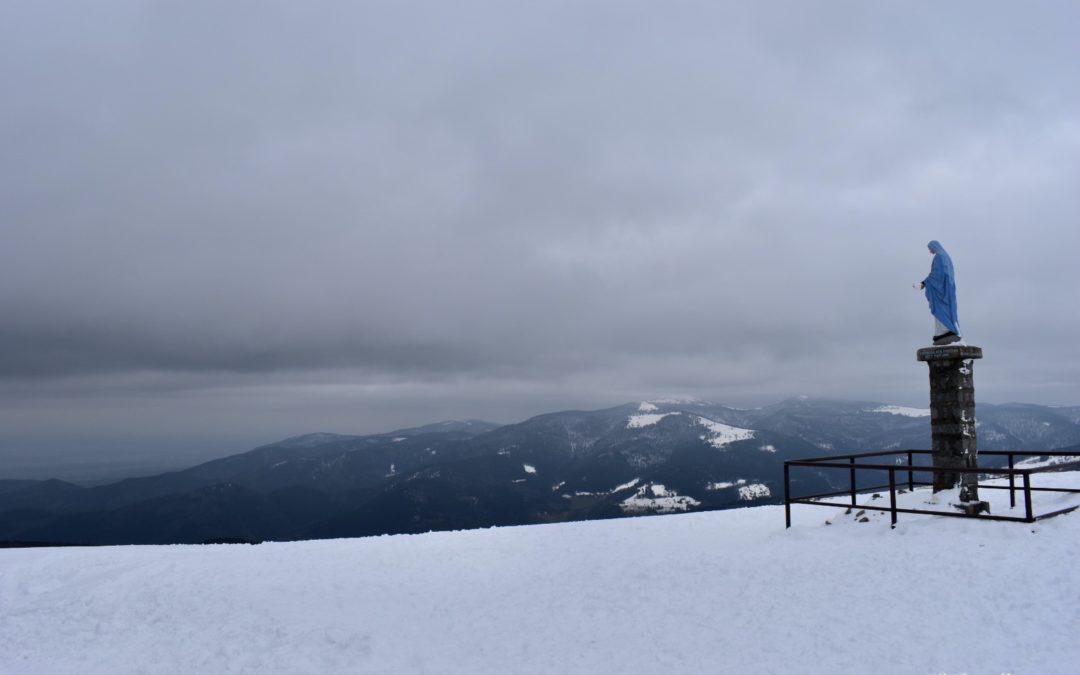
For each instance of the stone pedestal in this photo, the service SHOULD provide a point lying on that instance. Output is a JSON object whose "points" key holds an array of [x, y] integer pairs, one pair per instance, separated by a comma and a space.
{"points": [[952, 418]]}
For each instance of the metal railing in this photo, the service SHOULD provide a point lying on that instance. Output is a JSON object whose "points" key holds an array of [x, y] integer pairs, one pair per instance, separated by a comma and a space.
{"points": [[849, 463]]}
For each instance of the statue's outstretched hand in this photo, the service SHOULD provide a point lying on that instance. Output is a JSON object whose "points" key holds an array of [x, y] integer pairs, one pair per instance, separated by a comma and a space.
{"points": [[918, 285]]}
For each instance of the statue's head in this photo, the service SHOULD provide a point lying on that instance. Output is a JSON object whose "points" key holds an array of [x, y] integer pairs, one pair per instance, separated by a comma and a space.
{"points": [[935, 247]]}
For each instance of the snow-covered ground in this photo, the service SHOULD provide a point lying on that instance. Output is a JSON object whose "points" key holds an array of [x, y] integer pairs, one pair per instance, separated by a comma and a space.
{"points": [[719, 592]]}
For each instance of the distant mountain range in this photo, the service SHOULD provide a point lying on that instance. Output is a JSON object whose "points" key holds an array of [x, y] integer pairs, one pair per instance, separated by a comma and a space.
{"points": [[640, 458]]}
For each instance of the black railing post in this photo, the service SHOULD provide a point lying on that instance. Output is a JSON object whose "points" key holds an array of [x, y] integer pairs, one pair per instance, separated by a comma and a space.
{"points": [[1027, 495], [892, 495], [1012, 484], [853, 481], [787, 496], [910, 474]]}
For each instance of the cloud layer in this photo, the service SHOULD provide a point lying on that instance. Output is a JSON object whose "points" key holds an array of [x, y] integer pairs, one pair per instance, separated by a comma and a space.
{"points": [[394, 211]]}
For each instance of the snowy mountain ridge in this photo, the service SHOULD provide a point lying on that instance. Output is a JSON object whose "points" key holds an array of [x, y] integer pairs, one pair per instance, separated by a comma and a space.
{"points": [[464, 474]]}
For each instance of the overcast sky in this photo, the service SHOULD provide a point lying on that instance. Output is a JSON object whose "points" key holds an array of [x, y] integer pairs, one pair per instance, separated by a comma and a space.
{"points": [[226, 222]]}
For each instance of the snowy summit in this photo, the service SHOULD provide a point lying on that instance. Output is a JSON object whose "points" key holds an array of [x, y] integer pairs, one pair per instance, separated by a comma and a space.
{"points": [[725, 591], [638, 421]]}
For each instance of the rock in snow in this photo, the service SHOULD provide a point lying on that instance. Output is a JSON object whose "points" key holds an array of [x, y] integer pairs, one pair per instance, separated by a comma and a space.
{"points": [[727, 591]]}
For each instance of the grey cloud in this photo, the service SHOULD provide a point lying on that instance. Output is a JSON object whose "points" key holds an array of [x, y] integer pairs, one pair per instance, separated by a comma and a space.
{"points": [[579, 202]]}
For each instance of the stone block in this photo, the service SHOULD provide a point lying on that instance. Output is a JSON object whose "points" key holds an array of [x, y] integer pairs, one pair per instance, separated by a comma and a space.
{"points": [[952, 414]]}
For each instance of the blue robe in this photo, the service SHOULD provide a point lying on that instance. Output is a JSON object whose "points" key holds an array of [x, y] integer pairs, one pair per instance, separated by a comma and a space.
{"points": [[941, 288]]}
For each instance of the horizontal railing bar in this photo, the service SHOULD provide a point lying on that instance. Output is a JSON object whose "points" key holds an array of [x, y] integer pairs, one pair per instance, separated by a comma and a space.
{"points": [[862, 454], [886, 509], [911, 467], [990, 471], [993, 453], [848, 465], [823, 495], [861, 490], [882, 453], [1056, 513], [902, 490], [999, 471]]}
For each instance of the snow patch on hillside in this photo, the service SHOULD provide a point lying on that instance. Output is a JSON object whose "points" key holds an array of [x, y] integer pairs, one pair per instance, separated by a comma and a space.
{"points": [[1034, 462], [603, 493], [657, 498], [638, 421], [723, 485], [768, 447], [646, 407], [900, 410], [754, 491], [723, 434], [529, 468]]}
